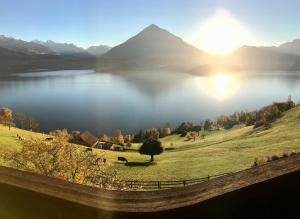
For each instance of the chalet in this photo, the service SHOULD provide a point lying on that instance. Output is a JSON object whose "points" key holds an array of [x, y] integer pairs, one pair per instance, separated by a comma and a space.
{"points": [[116, 147], [103, 145], [88, 138]]}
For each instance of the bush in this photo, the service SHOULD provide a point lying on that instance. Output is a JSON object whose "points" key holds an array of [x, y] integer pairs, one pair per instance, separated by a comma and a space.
{"points": [[259, 124], [229, 124], [259, 162], [275, 157], [293, 153], [183, 134], [285, 155]]}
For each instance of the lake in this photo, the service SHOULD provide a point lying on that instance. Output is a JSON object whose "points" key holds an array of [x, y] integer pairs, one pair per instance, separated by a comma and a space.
{"points": [[102, 102]]}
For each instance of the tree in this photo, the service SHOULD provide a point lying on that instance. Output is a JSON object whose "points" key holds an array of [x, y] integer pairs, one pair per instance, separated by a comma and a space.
{"points": [[62, 160], [103, 137], [6, 117], [152, 133], [207, 125], [151, 147], [139, 137], [163, 132], [119, 138], [22, 119], [32, 123]]}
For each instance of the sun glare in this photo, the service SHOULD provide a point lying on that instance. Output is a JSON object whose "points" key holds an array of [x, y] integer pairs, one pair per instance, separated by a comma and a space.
{"points": [[222, 33], [220, 86]]}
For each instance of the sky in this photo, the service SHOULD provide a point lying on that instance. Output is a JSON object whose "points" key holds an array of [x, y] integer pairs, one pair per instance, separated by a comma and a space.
{"points": [[111, 22]]}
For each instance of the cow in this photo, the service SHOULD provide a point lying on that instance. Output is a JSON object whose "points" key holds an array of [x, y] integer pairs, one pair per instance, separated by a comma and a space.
{"points": [[123, 159]]}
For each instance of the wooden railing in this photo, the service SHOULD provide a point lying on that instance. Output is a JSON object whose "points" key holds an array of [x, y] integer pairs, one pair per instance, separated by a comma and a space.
{"points": [[166, 184]]}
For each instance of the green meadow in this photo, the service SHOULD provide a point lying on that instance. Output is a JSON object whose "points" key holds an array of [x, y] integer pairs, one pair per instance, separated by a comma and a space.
{"points": [[219, 152]]}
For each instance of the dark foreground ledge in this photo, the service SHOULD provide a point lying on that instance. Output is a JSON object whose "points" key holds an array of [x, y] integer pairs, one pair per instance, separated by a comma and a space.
{"points": [[148, 201]]}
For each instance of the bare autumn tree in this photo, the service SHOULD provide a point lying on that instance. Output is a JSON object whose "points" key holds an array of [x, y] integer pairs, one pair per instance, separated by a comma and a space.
{"points": [[22, 119], [119, 138], [6, 117], [27, 122], [103, 137], [32, 123]]}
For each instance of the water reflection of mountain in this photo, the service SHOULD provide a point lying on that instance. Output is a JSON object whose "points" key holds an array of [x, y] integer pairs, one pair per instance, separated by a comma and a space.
{"points": [[154, 84], [289, 79]]}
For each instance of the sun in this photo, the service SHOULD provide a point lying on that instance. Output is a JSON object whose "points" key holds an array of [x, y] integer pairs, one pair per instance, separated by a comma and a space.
{"points": [[222, 33]]}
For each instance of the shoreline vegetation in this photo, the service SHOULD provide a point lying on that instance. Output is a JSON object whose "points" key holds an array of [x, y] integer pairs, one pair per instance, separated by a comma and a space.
{"points": [[227, 144]]}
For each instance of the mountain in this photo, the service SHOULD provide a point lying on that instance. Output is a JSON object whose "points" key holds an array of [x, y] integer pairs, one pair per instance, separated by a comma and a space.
{"points": [[263, 58], [98, 50], [62, 48], [15, 62], [152, 49], [23, 46], [290, 47]]}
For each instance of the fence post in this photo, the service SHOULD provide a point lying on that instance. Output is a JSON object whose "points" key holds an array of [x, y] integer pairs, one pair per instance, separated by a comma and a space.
{"points": [[158, 185], [184, 182]]}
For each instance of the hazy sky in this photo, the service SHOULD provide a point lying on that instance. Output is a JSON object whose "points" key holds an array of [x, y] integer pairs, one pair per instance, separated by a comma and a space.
{"points": [[92, 22]]}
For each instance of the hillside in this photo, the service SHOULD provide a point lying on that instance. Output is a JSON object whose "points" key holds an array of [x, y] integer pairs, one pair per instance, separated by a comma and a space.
{"points": [[290, 47], [220, 151], [152, 49], [15, 62], [262, 58]]}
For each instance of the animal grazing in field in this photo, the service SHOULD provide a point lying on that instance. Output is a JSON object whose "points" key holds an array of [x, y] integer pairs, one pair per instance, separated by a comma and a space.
{"points": [[123, 159], [101, 160], [20, 138], [49, 139]]}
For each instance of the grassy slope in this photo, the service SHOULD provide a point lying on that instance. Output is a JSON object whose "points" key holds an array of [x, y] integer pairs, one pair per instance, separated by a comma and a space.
{"points": [[220, 151]]}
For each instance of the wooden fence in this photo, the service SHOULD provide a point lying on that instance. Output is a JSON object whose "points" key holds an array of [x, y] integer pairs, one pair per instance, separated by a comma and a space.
{"points": [[157, 185]]}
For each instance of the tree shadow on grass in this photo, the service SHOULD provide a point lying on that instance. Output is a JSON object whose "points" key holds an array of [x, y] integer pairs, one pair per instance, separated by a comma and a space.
{"points": [[139, 164]]}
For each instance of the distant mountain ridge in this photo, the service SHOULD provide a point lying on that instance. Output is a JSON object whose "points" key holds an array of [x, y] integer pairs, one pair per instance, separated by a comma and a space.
{"points": [[23, 46], [72, 49], [152, 49], [61, 48], [98, 50], [290, 47]]}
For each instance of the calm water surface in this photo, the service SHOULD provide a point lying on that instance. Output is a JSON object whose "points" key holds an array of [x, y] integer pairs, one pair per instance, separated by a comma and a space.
{"points": [[79, 100]]}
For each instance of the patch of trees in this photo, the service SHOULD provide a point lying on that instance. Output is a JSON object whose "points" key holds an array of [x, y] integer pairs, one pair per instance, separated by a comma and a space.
{"points": [[262, 117], [152, 133], [186, 127], [23, 121], [27, 122]]}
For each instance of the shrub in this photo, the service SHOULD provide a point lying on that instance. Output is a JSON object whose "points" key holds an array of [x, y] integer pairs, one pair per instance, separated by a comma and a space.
{"points": [[183, 134], [259, 162], [293, 153], [285, 155], [229, 124], [275, 157], [259, 124], [61, 134]]}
